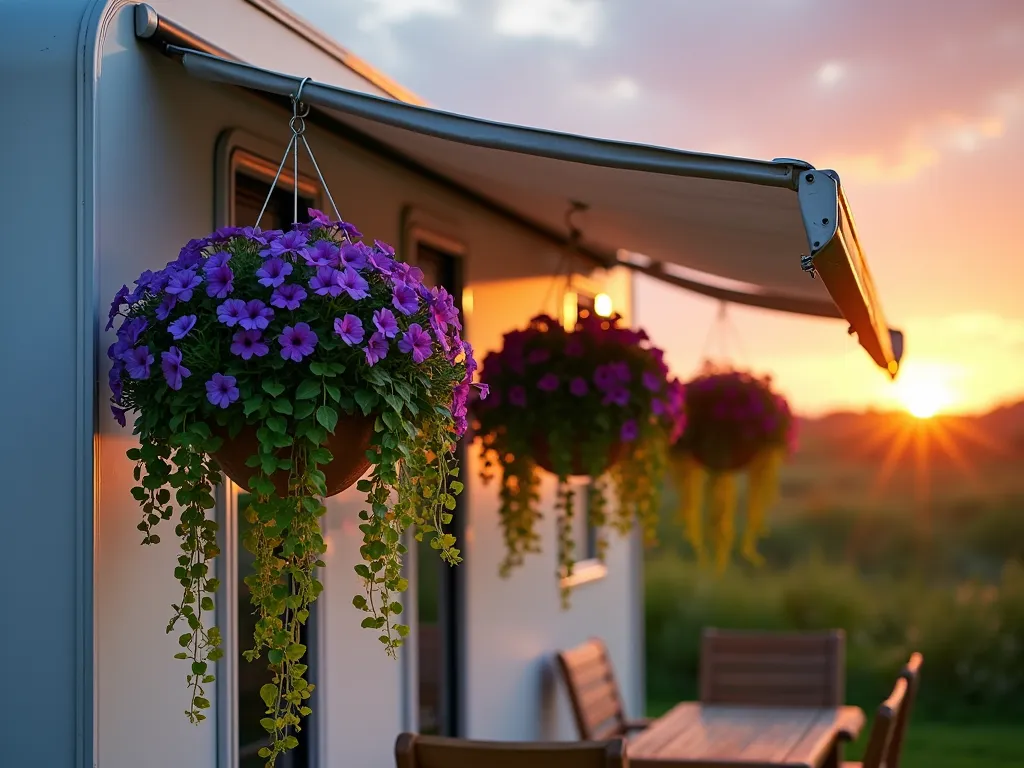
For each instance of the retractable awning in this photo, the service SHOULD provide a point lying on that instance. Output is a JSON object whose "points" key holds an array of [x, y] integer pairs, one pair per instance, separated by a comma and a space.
{"points": [[767, 228]]}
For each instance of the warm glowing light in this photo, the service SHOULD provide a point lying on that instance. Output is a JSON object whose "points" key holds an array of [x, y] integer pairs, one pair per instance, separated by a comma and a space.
{"points": [[603, 305], [923, 395]]}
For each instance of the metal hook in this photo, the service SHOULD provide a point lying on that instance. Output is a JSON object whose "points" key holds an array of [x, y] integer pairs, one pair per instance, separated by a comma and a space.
{"points": [[575, 206], [297, 99]]}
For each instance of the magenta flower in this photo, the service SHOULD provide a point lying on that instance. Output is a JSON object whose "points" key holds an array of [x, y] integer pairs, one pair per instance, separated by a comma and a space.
{"points": [[618, 396], [218, 282], [629, 431], [658, 407], [323, 253], [137, 362], [579, 387], [179, 328], [355, 255], [297, 342], [651, 382], [221, 390], [182, 283], [385, 322], [417, 342], [354, 284], [231, 312], [548, 383], [350, 329], [248, 344], [517, 396], [288, 296], [273, 272], [376, 349], [257, 316], [404, 299], [326, 282], [174, 371]]}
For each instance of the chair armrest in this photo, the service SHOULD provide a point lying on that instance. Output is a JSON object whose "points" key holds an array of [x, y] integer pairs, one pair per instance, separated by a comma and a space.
{"points": [[638, 723]]}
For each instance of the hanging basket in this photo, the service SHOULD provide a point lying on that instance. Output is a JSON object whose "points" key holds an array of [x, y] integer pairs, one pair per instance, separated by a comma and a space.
{"points": [[542, 457], [348, 445]]}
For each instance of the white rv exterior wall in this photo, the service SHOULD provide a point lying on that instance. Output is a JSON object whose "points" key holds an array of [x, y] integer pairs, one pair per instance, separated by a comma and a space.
{"points": [[156, 130]]}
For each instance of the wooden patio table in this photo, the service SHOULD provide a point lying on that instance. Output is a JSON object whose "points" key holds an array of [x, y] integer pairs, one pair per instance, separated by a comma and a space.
{"points": [[693, 735]]}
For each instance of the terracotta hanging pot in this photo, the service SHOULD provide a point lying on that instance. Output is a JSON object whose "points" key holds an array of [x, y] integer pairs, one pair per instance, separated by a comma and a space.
{"points": [[348, 445], [542, 456]]}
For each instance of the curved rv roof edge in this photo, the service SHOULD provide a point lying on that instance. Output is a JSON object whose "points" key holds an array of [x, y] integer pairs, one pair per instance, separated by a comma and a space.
{"points": [[307, 31]]}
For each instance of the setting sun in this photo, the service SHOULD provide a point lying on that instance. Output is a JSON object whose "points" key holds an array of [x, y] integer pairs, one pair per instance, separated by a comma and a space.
{"points": [[923, 395]]}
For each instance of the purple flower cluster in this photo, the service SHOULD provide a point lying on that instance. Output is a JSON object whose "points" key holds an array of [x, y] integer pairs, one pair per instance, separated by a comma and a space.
{"points": [[242, 292]]}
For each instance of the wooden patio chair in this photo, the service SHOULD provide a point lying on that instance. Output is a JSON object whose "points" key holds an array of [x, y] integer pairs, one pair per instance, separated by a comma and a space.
{"points": [[883, 728], [594, 693], [415, 751], [782, 669], [911, 673]]}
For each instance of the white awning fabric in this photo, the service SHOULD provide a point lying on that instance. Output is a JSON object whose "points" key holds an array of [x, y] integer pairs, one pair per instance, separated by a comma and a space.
{"points": [[769, 226]]}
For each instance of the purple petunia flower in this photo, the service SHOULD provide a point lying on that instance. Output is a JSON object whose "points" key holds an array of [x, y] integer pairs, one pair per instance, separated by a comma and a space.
{"points": [[405, 299], [221, 390], [485, 389], [326, 282], [182, 283], [416, 341], [174, 371], [579, 387], [116, 350], [247, 344], [231, 312], [132, 330], [166, 307], [573, 347], [548, 382], [630, 431], [355, 255], [618, 396], [273, 272], [219, 282], [385, 322], [350, 329], [354, 284], [604, 377], [288, 296], [179, 328], [115, 306], [538, 356], [137, 362], [118, 414], [651, 382], [376, 349], [114, 380], [658, 407], [289, 242], [323, 253], [219, 259], [256, 316], [382, 260], [517, 396], [297, 342], [255, 234]]}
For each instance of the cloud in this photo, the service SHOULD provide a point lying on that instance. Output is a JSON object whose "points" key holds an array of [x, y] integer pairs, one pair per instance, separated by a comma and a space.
{"points": [[576, 21]]}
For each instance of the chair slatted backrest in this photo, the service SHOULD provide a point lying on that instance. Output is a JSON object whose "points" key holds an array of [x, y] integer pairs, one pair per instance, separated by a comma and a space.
{"points": [[415, 751], [884, 726], [806, 669], [596, 702], [912, 674]]}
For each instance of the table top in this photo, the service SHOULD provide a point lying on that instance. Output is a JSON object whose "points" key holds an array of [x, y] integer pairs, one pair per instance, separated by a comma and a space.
{"points": [[719, 736]]}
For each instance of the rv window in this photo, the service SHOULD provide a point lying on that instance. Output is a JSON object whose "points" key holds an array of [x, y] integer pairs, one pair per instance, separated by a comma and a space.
{"points": [[584, 533]]}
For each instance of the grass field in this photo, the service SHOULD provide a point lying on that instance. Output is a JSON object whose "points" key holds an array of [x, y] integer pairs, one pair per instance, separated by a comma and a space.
{"points": [[937, 744]]}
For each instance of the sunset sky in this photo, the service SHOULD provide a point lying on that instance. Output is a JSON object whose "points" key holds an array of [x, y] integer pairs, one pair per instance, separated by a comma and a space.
{"points": [[918, 105]]}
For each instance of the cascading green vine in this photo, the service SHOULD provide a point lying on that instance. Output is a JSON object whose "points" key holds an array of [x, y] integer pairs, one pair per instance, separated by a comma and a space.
{"points": [[368, 371], [575, 403]]}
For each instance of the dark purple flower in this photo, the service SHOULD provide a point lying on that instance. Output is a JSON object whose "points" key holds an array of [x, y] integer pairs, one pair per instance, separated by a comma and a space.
{"points": [[288, 296], [297, 342], [573, 347], [289, 242], [517, 396], [255, 234], [115, 306], [322, 253], [273, 272], [256, 316], [247, 344], [326, 282], [174, 371], [114, 380], [548, 383], [485, 390], [604, 377], [406, 273], [630, 431], [417, 342], [405, 299], [231, 312], [355, 255], [538, 356], [350, 329], [348, 230], [118, 414], [179, 328], [218, 282], [658, 407], [385, 322], [651, 382], [620, 371], [354, 284], [219, 259], [182, 283], [382, 260], [137, 362], [116, 350], [132, 330], [579, 387], [376, 349], [616, 396], [190, 255], [319, 217], [442, 310], [166, 307], [225, 233], [221, 390]]}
